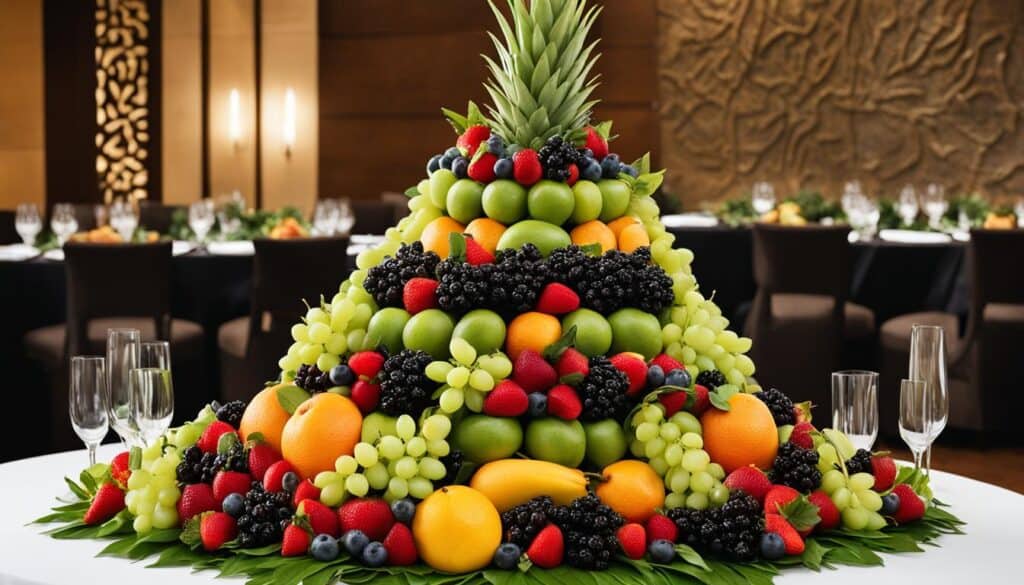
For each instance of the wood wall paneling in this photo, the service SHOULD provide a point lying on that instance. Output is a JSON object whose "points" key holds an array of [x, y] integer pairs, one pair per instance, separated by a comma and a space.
{"points": [[182, 102], [22, 176]]}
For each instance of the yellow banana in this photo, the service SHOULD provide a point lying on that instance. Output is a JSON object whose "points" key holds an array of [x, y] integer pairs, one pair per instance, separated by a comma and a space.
{"points": [[510, 482]]}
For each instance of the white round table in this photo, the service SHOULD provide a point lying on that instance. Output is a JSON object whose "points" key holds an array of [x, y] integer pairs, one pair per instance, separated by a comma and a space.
{"points": [[989, 553]]}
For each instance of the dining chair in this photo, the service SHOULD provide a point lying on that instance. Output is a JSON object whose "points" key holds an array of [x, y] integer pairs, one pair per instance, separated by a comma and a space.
{"points": [[285, 272], [375, 216], [157, 216], [8, 232]]}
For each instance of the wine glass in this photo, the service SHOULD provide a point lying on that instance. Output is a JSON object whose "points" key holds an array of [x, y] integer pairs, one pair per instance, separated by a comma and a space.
{"points": [[907, 205], [914, 424], [1018, 211], [63, 222], [928, 365], [855, 406], [935, 205], [27, 222], [229, 213], [762, 197], [87, 401], [200, 218], [123, 347], [325, 217], [124, 218], [346, 218], [153, 402]]}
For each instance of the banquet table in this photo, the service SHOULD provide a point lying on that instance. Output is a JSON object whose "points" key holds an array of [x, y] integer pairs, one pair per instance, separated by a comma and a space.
{"points": [[987, 553]]}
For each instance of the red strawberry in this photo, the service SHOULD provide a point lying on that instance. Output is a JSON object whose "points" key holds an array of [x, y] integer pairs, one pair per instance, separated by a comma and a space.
{"points": [[673, 402], [557, 299], [366, 363], [572, 362], [574, 174], [701, 401], [751, 480], [211, 436], [261, 457], [477, 254], [801, 435], [547, 548], [564, 403], [635, 369], [777, 497], [481, 168], [597, 144], [911, 505], [272, 478], [119, 469], [661, 527], [666, 362], [400, 546], [296, 541], [305, 491], [370, 515], [827, 510], [469, 141], [884, 470], [196, 499], [226, 483], [215, 529], [322, 520], [507, 399], [526, 167], [366, 395], [108, 501], [633, 540], [779, 525], [419, 294], [533, 373]]}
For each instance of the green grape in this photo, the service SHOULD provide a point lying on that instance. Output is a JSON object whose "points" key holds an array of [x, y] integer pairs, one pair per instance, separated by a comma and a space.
{"points": [[693, 441], [695, 460], [737, 378], [451, 400], [870, 500], [693, 300], [168, 496], [362, 316], [697, 501], [745, 365], [856, 518], [861, 482], [346, 465], [377, 476], [725, 363], [717, 323], [654, 447], [462, 351], [680, 481], [319, 333], [646, 432], [673, 454], [716, 471], [300, 332], [678, 316], [474, 400], [497, 365], [686, 422], [336, 344], [842, 498], [653, 413], [701, 482], [357, 485], [689, 356], [332, 494], [398, 488], [675, 500], [416, 447], [458, 377], [659, 465], [310, 353], [165, 516], [481, 380], [142, 524], [365, 454], [670, 431], [390, 447], [420, 487], [671, 333], [317, 315], [326, 478], [719, 494], [406, 467], [436, 427], [636, 448], [832, 480], [326, 361], [438, 371], [715, 352], [704, 363], [138, 479], [405, 427], [827, 457], [438, 448], [432, 469], [341, 312], [699, 317], [875, 521]]}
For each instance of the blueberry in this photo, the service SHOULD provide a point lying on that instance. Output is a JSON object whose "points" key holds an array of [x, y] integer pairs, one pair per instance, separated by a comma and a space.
{"points": [[375, 555], [678, 377], [610, 168], [538, 404], [630, 170], [342, 375], [662, 551], [591, 170], [586, 153], [655, 376], [324, 548], [495, 145], [446, 162], [460, 167], [234, 505], [453, 153], [403, 510], [890, 505], [503, 168], [290, 481], [355, 541], [772, 546], [507, 556], [434, 163], [612, 158]]}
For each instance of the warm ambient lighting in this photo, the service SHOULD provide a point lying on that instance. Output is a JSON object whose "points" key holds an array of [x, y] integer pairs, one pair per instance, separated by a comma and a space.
{"points": [[288, 128], [235, 117]]}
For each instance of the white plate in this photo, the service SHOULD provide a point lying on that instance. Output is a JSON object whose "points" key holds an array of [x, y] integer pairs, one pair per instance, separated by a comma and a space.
{"points": [[239, 248], [689, 220], [18, 252], [57, 255], [181, 247], [365, 239], [913, 237]]}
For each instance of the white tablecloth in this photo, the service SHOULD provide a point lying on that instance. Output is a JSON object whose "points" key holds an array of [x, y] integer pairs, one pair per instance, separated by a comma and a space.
{"points": [[989, 554]]}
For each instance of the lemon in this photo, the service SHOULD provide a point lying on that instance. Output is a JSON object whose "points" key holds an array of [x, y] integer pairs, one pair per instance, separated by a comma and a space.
{"points": [[456, 529]]}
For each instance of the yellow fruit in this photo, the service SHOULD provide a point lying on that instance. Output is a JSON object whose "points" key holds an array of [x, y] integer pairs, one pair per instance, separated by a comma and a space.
{"points": [[510, 482], [322, 429], [486, 232], [622, 223], [435, 235], [456, 529], [593, 232], [531, 330], [633, 237], [631, 488], [265, 416], [741, 436]]}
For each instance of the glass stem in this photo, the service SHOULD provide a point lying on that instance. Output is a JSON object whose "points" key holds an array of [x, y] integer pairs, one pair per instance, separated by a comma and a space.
{"points": [[917, 460], [928, 461], [92, 454]]}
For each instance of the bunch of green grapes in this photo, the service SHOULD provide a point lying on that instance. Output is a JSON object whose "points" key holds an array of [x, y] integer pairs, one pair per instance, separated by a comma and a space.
{"points": [[153, 492], [853, 495], [188, 434], [674, 448], [329, 331], [422, 211], [467, 377], [400, 465]]}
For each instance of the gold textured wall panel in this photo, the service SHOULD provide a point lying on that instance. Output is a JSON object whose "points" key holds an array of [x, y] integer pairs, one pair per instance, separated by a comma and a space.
{"points": [[817, 92]]}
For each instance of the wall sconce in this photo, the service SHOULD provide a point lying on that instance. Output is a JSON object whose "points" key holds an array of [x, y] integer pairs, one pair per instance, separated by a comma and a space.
{"points": [[235, 118], [288, 127]]}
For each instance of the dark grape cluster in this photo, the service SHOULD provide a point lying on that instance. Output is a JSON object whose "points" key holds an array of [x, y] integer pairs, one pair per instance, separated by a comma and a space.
{"points": [[311, 379], [509, 286], [711, 379], [386, 281], [780, 405], [236, 459], [265, 517], [589, 528], [732, 530], [613, 280], [199, 467], [796, 467], [555, 157], [404, 387], [231, 412], [523, 522], [603, 392], [860, 462]]}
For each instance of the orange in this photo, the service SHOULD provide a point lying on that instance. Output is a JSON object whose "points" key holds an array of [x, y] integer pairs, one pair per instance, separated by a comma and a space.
{"points": [[486, 232], [741, 436], [322, 429], [593, 232], [531, 330], [456, 529], [631, 488], [435, 235], [633, 237], [622, 223], [265, 416]]}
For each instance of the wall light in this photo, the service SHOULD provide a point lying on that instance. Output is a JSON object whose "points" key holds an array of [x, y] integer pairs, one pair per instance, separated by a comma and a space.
{"points": [[288, 126], [235, 117]]}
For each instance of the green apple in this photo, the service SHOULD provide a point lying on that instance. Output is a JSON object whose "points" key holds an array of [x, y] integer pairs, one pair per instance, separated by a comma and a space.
{"points": [[615, 198], [637, 331], [464, 200], [483, 329], [483, 438], [593, 333], [556, 440], [376, 425], [440, 181], [588, 202], [545, 236], [386, 328], [550, 201], [429, 331], [606, 442], [505, 201]]}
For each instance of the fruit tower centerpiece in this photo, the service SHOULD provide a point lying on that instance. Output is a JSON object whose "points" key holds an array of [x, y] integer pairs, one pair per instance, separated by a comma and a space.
{"points": [[524, 382]]}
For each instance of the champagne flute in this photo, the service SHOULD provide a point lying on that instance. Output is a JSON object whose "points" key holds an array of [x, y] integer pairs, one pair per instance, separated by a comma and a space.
{"points": [[152, 402], [928, 365], [87, 401], [855, 406], [155, 354], [915, 428], [122, 358]]}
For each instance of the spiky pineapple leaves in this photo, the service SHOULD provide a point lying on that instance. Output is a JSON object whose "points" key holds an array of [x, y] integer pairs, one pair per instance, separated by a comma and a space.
{"points": [[459, 122]]}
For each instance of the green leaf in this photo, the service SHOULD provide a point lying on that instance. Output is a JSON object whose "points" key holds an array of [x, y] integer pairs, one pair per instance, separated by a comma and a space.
{"points": [[691, 556], [290, 397], [457, 246], [556, 349], [88, 481], [572, 379], [718, 402], [412, 191], [77, 489], [593, 249], [254, 438], [121, 522], [801, 513], [226, 442], [190, 533]]}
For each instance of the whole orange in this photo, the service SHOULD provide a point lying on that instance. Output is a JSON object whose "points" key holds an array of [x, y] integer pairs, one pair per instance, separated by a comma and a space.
{"points": [[631, 488], [741, 436], [435, 235], [531, 330], [486, 232], [266, 416], [322, 429], [593, 232], [633, 237], [622, 223]]}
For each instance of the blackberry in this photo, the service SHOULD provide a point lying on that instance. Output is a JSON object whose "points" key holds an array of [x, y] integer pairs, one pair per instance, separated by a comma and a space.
{"points": [[452, 463], [860, 462], [796, 467], [588, 527], [603, 392], [733, 530], [264, 517], [509, 286], [462, 286], [780, 405], [614, 280], [190, 470], [231, 412], [404, 388], [711, 379], [236, 459], [199, 467], [555, 157], [311, 379], [569, 266], [523, 522], [386, 281]]}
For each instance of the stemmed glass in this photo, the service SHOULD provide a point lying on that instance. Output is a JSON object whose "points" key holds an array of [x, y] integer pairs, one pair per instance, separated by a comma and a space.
{"points": [[325, 217], [200, 218], [346, 218], [63, 222], [1018, 211], [928, 365], [229, 213], [124, 218], [855, 406], [762, 197], [915, 427], [907, 205], [153, 403], [27, 222], [87, 401], [935, 205], [123, 348]]}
